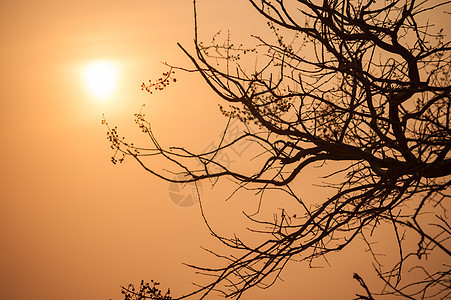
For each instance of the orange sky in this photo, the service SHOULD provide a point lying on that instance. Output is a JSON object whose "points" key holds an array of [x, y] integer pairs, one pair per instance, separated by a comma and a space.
{"points": [[73, 225]]}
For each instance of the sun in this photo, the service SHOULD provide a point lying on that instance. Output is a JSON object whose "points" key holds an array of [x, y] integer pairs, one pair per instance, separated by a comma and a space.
{"points": [[100, 77]]}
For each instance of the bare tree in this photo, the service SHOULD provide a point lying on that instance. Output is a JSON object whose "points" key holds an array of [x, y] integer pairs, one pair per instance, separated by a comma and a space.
{"points": [[361, 88]]}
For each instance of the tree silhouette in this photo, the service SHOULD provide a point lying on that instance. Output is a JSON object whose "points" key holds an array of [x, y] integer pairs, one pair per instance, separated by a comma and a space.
{"points": [[359, 88], [145, 291]]}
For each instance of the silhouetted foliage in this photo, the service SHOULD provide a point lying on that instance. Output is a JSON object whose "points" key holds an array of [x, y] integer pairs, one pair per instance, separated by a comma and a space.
{"points": [[146, 291], [360, 88]]}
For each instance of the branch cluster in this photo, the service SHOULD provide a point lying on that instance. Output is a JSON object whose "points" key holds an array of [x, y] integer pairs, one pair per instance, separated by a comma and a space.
{"points": [[362, 83]]}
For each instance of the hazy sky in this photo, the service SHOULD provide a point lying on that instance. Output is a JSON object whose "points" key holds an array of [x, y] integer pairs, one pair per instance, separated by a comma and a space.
{"points": [[73, 225]]}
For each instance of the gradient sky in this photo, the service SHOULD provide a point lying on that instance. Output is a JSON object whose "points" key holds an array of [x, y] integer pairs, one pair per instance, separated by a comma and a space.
{"points": [[72, 224]]}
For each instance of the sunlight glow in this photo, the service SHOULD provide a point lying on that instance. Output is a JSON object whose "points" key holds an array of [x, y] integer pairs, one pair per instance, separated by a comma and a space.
{"points": [[100, 76]]}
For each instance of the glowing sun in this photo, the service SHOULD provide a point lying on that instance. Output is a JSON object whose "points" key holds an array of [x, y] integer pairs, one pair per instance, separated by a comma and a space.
{"points": [[100, 76]]}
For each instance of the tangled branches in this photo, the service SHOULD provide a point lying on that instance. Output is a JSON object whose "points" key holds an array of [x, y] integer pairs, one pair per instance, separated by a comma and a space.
{"points": [[363, 83]]}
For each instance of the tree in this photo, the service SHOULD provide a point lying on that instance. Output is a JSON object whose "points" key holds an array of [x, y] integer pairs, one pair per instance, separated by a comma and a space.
{"points": [[361, 89]]}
